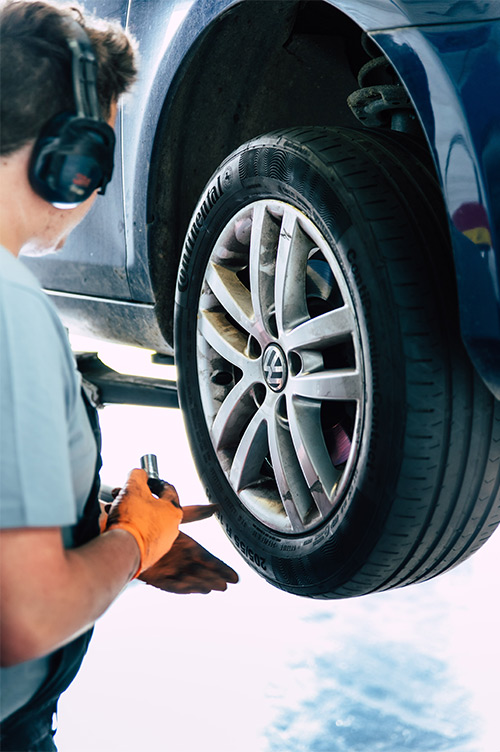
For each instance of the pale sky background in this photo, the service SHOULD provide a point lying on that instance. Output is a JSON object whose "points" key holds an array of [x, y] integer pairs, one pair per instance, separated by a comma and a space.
{"points": [[257, 670]]}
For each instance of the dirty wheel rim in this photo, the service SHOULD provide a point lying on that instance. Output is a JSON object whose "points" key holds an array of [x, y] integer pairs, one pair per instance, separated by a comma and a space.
{"points": [[280, 366]]}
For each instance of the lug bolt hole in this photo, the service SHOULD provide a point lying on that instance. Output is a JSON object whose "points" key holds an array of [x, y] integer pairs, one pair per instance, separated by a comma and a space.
{"points": [[272, 325], [281, 410], [294, 363], [259, 394], [222, 378], [254, 350]]}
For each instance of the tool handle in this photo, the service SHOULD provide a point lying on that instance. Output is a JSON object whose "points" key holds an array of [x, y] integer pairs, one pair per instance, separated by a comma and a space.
{"points": [[149, 463]]}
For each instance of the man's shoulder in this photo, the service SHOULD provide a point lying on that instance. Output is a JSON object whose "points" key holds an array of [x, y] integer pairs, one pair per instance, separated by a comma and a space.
{"points": [[14, 272], [28, 318], [21, 294]]}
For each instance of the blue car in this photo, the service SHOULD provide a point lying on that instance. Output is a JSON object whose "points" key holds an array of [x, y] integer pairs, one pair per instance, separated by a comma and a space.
{"points": [[305, 213]]}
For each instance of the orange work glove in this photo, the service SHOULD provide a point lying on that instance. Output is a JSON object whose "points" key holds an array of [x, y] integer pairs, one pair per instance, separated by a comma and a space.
{"points": [[188, 567], [154, 522]]}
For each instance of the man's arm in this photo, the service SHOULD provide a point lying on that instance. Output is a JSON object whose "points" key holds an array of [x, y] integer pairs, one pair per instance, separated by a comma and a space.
{"points": [[49, 595]]}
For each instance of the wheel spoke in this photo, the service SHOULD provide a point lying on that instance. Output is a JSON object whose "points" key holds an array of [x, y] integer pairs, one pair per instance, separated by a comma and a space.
{"points": [[262, 270], [342, 384], [250, 454], [290, 278], [234, 412], [290, 480], [322, 331], [224, 338], [231, 294], [312, 453]]}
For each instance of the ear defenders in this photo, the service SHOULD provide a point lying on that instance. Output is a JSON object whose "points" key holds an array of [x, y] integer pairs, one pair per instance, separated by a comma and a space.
{"points": [[73, 154]]}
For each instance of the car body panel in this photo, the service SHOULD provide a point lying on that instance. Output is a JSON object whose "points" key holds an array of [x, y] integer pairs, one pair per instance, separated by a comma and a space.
{"points": [[453, 74], [161, 58], [374, 15], [448, 58]]}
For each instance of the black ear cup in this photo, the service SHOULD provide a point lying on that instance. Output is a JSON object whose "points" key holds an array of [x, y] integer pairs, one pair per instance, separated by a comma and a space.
{"points": [[73, 154], [71, 158]]}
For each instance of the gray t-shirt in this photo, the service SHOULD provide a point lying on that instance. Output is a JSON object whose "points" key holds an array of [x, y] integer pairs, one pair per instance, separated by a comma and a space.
{"points": [[47, 447]]}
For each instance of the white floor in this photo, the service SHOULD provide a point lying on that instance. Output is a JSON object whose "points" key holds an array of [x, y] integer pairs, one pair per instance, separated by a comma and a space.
{"points": [[256, 670]]}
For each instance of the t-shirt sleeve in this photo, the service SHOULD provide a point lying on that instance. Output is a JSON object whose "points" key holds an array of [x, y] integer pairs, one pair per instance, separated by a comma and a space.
{"points": [[36, 394]]}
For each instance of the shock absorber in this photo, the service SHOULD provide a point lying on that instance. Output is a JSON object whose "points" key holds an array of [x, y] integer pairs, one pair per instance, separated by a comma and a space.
{"points": [[381, 100]]}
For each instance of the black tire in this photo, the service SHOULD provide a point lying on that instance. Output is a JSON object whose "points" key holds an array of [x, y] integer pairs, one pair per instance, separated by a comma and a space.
{"points": [[408, 486]]}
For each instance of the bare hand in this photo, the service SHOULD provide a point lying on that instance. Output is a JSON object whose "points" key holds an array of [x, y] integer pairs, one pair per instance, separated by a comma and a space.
{"points": [[188, 567]]}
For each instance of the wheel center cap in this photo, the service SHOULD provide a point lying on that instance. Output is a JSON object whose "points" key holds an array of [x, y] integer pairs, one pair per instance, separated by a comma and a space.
{"points": [[274, 368]]}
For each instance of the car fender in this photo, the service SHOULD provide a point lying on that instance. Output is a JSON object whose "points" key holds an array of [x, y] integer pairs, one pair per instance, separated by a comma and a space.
{"points": [[451, 75]]}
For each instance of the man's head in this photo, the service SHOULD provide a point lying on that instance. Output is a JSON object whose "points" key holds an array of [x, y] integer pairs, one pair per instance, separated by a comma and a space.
{"points": [[36, 64], [36, 86]]}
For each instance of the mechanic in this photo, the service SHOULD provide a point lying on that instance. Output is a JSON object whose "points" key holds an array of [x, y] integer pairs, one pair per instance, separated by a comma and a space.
{"points": [[58, 572]]}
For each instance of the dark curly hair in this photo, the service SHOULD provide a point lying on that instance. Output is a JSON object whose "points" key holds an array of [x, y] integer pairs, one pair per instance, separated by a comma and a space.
{"points": [[35, 66]]}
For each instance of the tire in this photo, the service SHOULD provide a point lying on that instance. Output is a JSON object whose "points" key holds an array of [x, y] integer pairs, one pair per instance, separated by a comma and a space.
{"points": [[332, 411]]}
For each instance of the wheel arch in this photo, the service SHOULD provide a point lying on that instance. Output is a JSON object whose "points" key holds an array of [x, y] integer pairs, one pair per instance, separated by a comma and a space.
{"points": [[227, 97]]}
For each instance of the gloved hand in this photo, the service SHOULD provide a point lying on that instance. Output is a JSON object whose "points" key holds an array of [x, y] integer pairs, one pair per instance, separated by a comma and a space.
{"points": [[188, 567], [154, 522]]}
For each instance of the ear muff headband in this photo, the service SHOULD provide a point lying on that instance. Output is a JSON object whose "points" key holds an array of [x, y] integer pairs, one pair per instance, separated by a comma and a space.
{"points": [[73, 155], [84, 73]]}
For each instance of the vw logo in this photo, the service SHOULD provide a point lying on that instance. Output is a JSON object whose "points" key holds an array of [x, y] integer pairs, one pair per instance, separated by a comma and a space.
{"points": [[274, 367]]}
